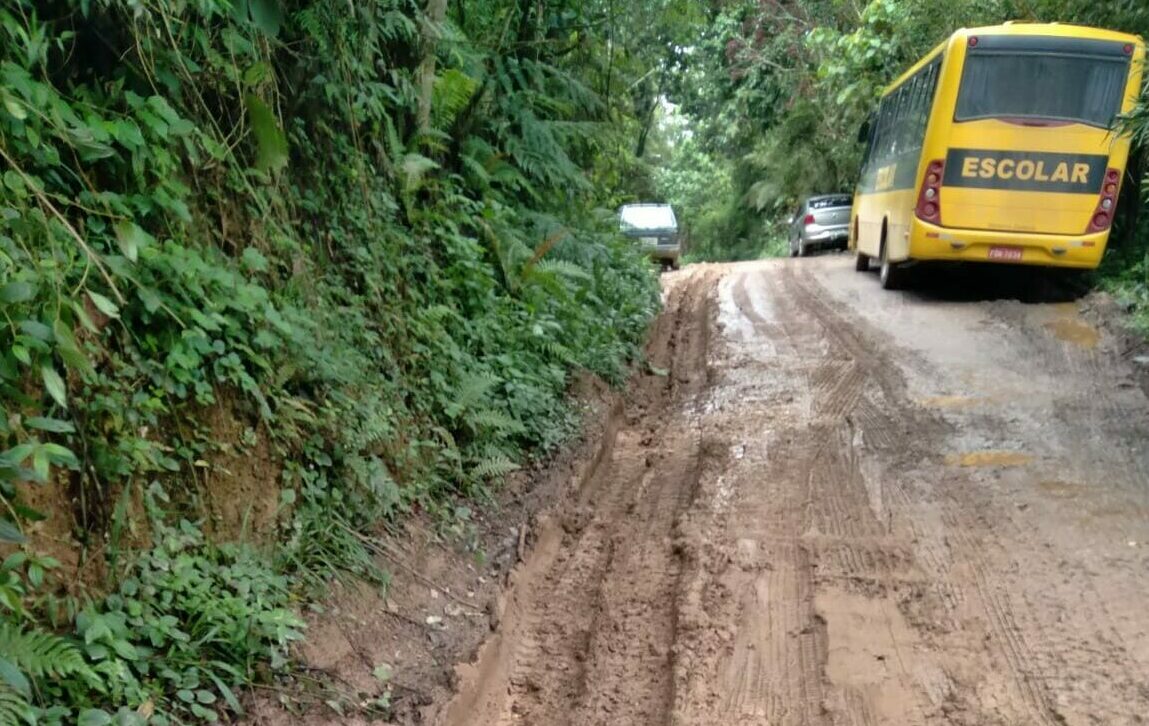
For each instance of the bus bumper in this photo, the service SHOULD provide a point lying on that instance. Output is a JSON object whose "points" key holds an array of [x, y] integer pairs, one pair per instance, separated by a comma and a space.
{"points": [[931, 242]]}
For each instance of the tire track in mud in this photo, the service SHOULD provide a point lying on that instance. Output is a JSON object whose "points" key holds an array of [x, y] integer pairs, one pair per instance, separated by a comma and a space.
{"points": [[1006, 636], [833, 545], [1094, 644], [818, 500], [590, 623], [776, 537], [764, 662]]}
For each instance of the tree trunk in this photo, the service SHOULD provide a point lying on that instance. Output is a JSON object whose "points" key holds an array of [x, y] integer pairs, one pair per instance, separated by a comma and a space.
{"points": [[648, 120], [433, 16]]}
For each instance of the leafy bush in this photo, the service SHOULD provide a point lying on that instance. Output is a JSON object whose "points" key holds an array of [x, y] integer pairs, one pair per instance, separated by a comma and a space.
{"points": [[187, 624]]}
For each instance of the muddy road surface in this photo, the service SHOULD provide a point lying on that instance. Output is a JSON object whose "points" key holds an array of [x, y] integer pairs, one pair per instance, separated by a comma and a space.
{"points": [[829, 504]]}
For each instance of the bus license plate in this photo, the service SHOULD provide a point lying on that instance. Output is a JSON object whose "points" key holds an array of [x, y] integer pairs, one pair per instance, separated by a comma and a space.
{"points": [[1005, 254]]}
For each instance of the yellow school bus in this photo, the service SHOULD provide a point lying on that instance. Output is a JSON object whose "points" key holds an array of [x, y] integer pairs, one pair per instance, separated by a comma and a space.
{"points": [[998, 146]]}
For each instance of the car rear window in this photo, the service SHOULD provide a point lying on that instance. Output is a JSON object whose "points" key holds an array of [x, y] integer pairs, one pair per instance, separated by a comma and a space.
{"points": [[827, 202], [647, 217]]}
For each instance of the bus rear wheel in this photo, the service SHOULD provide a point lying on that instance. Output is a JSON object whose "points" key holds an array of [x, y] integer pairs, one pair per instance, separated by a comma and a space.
{"points": [[862, 262], [891, 275]]}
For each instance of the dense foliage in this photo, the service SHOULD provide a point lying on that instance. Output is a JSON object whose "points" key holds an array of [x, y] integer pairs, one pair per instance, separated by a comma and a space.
{"points": [[376, 235], [776, 91]]}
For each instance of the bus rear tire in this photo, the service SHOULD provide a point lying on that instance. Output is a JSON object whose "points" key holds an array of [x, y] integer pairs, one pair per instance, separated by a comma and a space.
{"points": [[891, 275], [862, 262]]}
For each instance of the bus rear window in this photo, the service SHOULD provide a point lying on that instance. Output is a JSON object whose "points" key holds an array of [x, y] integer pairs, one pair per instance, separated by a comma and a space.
{"points": [[1046, 87]]}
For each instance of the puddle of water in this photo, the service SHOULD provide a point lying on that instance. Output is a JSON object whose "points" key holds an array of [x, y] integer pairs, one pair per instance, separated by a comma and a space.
{"points": [[1076, 332], [989, 458]]}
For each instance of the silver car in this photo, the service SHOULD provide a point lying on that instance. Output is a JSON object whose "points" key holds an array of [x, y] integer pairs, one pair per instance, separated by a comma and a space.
{"points": [[821, 222]]}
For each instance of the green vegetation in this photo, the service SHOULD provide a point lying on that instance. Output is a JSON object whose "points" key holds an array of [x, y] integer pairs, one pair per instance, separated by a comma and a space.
{"points": [[774, 93], [374, 237]]}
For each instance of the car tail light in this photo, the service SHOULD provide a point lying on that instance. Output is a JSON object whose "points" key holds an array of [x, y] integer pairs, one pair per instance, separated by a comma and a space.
{"points": [[1102, 218], [929, 207], [808, 220]]}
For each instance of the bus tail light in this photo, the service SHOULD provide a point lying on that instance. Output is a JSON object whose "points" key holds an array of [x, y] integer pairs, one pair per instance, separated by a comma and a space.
{"points": [[930, 197], [1102, 218], [808, 220]]}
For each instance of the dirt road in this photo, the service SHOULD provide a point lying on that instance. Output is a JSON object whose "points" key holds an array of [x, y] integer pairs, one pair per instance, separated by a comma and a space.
{"points": [[843, 506]]}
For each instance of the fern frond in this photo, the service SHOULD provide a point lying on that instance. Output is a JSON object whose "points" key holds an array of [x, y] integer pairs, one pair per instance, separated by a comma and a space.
{"points": [[311, 23], [472, 390], [40, 654], [493, 467], [494, 421], [452, 93], [397, 26], [573, 90], [450, 447], [558, 351], [14, 707], [564, 268], [476, 168]]}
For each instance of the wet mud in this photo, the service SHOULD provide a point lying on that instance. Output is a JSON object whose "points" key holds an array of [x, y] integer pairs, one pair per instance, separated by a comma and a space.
{"points": [[842, 506]]}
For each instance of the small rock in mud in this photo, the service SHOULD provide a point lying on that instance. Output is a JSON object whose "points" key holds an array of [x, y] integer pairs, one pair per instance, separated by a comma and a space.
{"points": [[495, 613], [577, 520], [528, 682]]}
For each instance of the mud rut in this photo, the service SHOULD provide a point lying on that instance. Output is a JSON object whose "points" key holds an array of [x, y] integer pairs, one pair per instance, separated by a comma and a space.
{"points": [[773, 535]]}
